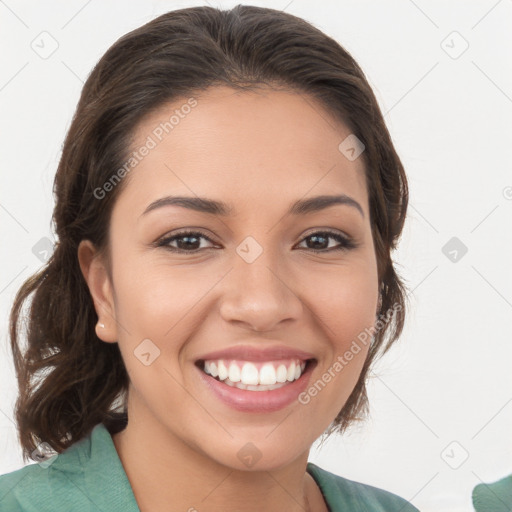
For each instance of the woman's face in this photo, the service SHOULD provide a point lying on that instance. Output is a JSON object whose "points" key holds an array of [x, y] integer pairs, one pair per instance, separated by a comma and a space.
{"points": [[248, 279]]}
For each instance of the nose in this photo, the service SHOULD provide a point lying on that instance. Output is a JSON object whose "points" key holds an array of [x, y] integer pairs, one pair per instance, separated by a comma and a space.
{"points": [[260, 295]]}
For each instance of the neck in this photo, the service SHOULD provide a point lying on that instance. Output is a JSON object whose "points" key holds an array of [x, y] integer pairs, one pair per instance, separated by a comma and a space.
{"points": [[166, 472]]}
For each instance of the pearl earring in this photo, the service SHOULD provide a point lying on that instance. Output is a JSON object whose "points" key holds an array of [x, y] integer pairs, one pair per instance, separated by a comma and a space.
{"points": [[102, 325]]}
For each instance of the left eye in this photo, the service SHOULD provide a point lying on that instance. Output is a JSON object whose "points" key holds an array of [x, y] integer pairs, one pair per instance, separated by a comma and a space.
{"points": [[189, 241], [318, 238]]}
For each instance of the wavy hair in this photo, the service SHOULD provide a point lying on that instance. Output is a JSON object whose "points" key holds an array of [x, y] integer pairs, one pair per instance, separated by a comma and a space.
{"points": [[69, 380]]}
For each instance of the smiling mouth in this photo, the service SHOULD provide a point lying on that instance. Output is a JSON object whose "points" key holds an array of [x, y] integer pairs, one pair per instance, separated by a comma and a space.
{"points": [[255, 376]]}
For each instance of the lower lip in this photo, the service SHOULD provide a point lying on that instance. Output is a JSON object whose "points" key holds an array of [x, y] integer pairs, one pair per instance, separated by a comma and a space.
{"points": [[258, 401]]}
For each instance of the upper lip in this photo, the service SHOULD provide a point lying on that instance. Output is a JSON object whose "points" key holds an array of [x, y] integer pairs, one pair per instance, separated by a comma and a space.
{"points": [[251, 353]]}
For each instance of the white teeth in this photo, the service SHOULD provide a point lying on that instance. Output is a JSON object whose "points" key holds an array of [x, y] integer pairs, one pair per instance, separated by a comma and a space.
{"points": [[267, 375], [213, 370], [239, 385], [291, 372], [249, 374], [234, 373], [281, 373], [223, 371], [265, 388], [245, 375]]}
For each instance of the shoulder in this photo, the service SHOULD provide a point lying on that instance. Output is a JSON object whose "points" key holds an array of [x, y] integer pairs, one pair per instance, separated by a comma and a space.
{"points": [[50, 485], [344, 494], [20, 484], [493, 497]]}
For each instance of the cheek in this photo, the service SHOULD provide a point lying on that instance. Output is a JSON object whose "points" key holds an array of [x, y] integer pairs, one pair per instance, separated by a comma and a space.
{"points": [[345, 306], [162, 304], [345, 302], [151, 299]]}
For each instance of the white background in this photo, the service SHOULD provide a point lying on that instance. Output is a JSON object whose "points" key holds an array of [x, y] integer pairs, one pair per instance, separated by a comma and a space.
{"points": [[449, 378]]}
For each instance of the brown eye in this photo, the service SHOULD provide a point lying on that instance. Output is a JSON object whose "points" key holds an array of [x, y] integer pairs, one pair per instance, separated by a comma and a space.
{"points": [[186, 241], [320, 242], [190, 241]]}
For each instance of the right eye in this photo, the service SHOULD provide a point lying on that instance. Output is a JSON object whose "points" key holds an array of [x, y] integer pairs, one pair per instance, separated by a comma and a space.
{"points": [[187, 241]]}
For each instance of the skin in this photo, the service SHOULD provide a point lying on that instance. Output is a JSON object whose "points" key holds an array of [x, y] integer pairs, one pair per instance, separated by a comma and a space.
{"points": [[259, 152]]}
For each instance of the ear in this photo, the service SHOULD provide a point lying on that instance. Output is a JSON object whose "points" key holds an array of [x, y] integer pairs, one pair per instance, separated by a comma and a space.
{"points": [[96, 275]]}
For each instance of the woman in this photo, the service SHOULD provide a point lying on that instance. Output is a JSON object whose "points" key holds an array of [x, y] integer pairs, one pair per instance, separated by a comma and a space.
{"points": [[227, 201]]}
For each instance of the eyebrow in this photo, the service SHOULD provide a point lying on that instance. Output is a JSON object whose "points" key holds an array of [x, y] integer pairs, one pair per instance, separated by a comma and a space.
{"points": [[213, 207]]}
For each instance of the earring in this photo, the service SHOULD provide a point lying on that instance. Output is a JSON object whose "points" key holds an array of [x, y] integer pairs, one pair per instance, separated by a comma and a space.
{"points": [[102, 325]]}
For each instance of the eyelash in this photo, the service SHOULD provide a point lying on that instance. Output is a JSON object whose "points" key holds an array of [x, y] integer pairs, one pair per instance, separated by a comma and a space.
{"points": [[346, 243]]}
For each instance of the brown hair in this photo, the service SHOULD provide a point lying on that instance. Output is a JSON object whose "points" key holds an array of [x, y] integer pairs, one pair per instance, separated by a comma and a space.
{"points": [[69, 380]]}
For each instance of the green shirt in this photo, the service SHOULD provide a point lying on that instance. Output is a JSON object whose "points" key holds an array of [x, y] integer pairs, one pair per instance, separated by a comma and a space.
{"points": [[89, 477], [494, 497]]}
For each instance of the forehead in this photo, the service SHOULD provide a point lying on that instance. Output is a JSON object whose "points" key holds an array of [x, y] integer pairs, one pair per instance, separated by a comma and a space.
{"points": [[270, 144]]}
